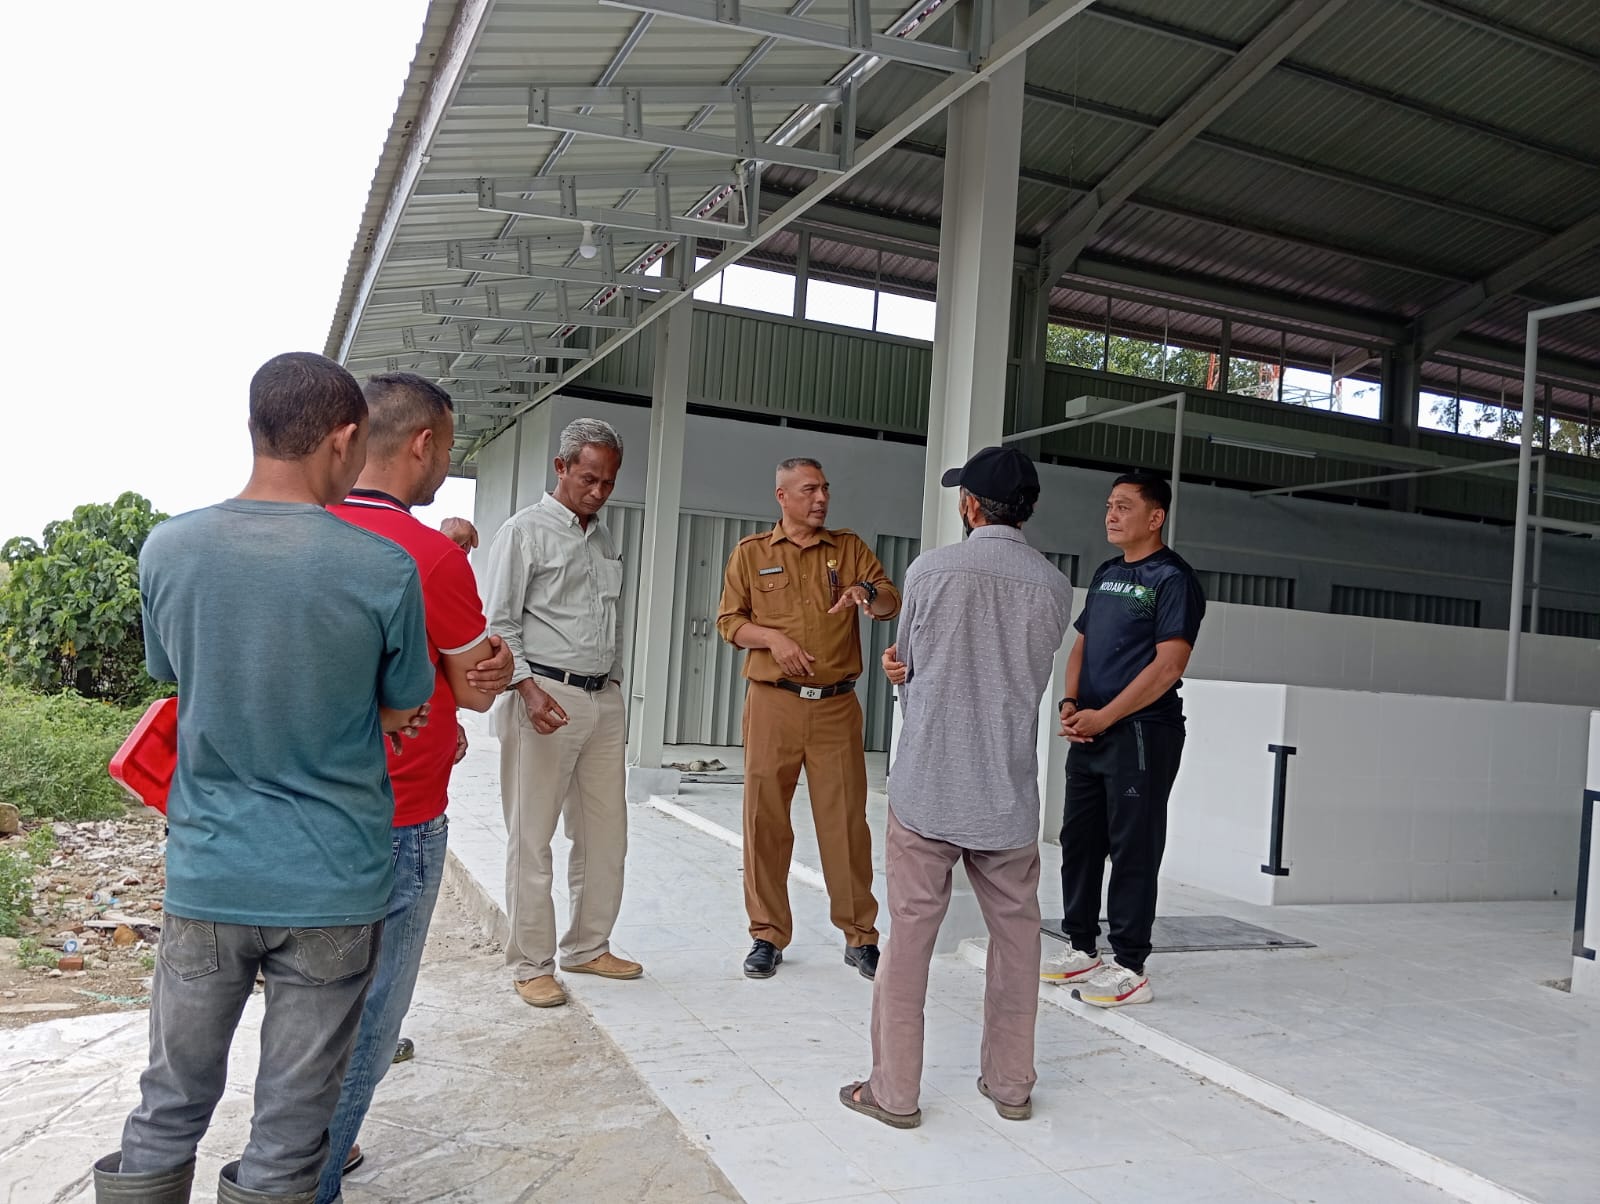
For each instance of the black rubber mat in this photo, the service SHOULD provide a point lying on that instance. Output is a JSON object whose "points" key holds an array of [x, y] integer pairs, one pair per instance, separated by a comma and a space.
{"points": [[1203, 934]]}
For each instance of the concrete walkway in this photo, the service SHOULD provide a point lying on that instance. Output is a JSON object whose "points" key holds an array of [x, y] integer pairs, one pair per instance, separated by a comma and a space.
{"points": [[752, 1069], [499, 1105]]}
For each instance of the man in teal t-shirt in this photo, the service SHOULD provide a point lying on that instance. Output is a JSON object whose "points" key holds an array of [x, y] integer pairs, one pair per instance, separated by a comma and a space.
{"points": [[297, 640]]}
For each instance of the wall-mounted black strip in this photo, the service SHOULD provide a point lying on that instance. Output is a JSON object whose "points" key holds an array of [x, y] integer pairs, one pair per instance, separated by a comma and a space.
{"points": [[1585, 843], [1280, 798]]}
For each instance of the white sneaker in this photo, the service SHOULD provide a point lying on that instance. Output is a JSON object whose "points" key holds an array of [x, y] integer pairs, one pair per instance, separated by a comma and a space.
{"points": [[1070, 965], [1114, 986]]}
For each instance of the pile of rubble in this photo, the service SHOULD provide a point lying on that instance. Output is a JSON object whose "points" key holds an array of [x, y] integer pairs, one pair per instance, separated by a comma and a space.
{"points": [[96, 916]]}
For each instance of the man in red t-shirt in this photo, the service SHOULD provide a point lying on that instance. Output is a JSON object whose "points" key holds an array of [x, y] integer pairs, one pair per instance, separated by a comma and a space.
{"points": [[408, 455]]}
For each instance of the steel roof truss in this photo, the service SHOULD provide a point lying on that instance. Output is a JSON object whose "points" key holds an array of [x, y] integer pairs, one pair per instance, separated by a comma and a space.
{"points": [[491, 199], [545, 113], [459, 257], [563, 314], [857, 36]]}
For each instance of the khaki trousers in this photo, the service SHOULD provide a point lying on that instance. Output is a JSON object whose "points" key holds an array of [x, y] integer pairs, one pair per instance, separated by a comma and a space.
{"points": [[1006, 883], [578, 771], [783, 733]]}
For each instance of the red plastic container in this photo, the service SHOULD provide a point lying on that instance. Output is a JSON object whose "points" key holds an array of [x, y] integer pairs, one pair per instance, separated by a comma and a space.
{"points": [[144, 765]]}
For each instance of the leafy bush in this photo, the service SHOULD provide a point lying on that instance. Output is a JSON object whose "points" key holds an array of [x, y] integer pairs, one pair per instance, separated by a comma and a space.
{"points": [[53, 755], [19, 861], [69, 608]]}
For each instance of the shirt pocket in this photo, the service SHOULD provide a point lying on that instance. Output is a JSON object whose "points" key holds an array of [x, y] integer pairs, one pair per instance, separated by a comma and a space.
{"points": [[772, 598], [608, 577]]}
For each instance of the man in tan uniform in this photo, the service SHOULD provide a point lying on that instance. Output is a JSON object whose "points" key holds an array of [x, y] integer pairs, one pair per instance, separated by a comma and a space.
{"points": [[791, 597]]}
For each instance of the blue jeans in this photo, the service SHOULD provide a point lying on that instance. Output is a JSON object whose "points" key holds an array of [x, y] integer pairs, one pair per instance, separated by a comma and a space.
{"points": [[418, 869]]}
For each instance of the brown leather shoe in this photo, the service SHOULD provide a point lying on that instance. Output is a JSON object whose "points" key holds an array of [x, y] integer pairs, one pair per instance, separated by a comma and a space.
{"points": [[542, 992], [608, 966]]}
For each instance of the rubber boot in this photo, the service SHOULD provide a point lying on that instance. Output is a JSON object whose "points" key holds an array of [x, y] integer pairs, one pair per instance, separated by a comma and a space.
{"points": [[229, 1191], [111, 1186]]}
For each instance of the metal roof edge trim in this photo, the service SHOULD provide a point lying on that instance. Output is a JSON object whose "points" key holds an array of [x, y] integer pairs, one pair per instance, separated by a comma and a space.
{"points": [[402, 160]]}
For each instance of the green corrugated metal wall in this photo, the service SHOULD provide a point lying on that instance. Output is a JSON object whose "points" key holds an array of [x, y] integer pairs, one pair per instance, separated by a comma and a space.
{"points": [[785, 368]]}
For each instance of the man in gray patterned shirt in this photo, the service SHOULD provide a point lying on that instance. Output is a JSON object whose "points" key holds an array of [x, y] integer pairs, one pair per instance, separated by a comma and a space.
{"points": [[980, 626]]}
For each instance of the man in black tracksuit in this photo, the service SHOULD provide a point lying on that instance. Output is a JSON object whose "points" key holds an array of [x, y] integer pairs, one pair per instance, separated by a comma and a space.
{"points": [[1125, 720]]}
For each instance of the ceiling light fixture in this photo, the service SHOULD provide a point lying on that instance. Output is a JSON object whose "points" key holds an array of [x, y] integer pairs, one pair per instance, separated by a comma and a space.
{"points": [[586, 248]]}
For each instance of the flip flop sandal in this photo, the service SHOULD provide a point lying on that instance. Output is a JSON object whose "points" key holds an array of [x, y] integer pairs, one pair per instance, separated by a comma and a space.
{"points": [[867, 1106], [1022, 1111], [404, 1051], [352, 1160]]}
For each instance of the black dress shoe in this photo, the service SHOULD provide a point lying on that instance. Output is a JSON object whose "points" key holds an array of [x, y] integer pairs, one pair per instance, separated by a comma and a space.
{"points": [[764, 960], [863, 958]]}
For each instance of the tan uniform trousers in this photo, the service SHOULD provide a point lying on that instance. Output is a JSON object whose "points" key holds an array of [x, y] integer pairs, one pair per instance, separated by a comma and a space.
{"points": [[578, 771], [783, 733], [1006, 883]]}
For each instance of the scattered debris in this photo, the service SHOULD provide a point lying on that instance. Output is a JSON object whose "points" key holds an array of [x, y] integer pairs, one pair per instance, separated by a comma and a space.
{"points": [[96, 917]]}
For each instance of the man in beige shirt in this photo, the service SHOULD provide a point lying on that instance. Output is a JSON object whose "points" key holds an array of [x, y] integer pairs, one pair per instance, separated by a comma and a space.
{"points": [[552, 589]]}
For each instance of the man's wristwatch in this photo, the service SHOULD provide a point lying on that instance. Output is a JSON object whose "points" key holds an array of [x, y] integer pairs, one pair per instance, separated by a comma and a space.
{"points": [[1064, 702], [872, 591]]}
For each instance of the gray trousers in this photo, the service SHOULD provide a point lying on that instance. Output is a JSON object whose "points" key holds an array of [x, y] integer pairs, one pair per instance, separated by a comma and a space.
{"points": [[316, 980], [1006, 884]]}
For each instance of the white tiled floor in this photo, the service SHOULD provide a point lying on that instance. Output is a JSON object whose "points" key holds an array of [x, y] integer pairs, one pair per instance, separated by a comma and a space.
{"points": [[753, 1069]]}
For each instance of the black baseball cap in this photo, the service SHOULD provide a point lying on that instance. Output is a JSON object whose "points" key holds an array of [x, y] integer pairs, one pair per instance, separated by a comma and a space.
{"points": [[1001, 474]]}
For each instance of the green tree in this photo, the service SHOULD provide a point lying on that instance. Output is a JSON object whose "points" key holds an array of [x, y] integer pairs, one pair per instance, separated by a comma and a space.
{"points": [[1504, 423], [69, 609], [1137, 357]]}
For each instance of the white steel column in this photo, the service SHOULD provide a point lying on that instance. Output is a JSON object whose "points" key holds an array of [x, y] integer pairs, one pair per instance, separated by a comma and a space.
{"points": [[652, 629], [1519, 534], [971, 332]]}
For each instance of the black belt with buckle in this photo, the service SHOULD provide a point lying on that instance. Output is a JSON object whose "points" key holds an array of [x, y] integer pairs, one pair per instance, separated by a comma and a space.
{"points": [[591, 684], [815, 692]]}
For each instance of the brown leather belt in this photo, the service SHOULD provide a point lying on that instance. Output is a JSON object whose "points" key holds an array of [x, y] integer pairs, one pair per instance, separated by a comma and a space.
{"points": [[815, 692]]}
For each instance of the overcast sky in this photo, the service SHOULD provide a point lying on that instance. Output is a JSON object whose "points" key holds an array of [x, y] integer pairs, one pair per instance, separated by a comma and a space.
{"points": [[187, 179]]}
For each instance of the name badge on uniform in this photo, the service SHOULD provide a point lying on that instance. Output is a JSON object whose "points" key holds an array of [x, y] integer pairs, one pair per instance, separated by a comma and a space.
{"points": [[777, 568]]}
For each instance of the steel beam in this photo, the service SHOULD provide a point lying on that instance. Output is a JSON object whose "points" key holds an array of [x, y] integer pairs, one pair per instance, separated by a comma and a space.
{"points": [[1007, 48], [1278, 158], [663, 221], [1519, 550], [1521, 37], [1453, 314], [528, 378], [1519, 139], [460, 338], [515, 96], [597, 181], [1069, 234], [546, 114], [1352, 362], [560, 315], [731, 15], [449, 73], [457, 258]]}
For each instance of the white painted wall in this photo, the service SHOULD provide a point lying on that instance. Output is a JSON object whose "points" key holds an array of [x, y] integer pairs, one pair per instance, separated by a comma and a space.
{"points": [[877, 490], [1218, 820], [1585, 972], [1391, 797]]}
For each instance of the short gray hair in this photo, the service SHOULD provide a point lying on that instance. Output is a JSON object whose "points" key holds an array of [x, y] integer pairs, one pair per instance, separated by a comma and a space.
{"points": [[795, 462], [587, 432]]}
